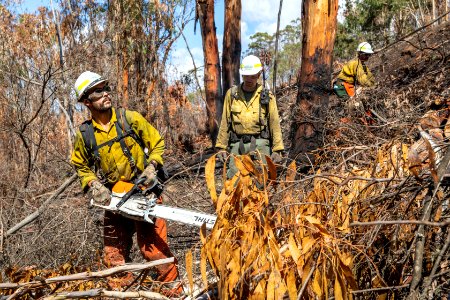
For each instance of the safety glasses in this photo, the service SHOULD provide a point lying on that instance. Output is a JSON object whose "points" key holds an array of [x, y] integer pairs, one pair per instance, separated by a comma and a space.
{"points": [[364, 55], [98, 93]]}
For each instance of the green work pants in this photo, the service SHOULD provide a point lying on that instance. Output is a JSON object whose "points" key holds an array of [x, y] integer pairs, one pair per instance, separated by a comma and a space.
{"points": [[339, 90], [262, 145]]}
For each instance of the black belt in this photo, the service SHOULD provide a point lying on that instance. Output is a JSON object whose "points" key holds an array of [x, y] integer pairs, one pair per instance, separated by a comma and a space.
{"points": [[245, 138]]}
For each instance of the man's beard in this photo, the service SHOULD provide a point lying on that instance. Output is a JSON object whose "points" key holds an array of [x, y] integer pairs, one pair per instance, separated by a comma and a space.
{"points": [[103, 106]]}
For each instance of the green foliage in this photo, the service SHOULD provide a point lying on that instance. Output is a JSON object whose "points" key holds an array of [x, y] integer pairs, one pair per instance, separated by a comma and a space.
{"points": [[289, 49], [289, 56], [346, 42], [261, 41], [379, 22]]}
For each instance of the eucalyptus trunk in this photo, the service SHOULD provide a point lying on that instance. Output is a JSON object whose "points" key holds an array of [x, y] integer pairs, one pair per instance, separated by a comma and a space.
{"points": [[231, 44], [319, 31], [205, 13]]}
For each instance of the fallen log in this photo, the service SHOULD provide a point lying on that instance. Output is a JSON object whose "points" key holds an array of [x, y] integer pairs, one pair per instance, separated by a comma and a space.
{"points": [[30, 218], [88, 275], [105, 293]]}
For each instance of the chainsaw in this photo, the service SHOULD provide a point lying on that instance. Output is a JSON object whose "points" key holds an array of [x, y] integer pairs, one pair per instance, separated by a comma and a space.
{"points": [[133, 202]]}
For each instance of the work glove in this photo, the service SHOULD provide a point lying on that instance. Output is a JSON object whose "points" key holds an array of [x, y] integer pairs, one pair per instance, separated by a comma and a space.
{"points": [[222, 156], [276, 157], [150, 176], [354, 105], [100, 194], [358, 91]]}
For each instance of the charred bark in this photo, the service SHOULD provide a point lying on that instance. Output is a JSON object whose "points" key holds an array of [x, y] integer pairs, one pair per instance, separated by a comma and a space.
{"points": [[275, 55], [231, 45], [314, 78], [125, 94], [205, 13]]}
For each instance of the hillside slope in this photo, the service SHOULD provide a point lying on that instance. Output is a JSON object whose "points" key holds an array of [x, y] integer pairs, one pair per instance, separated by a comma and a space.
{"points": [[362, 173], [354, 225]]}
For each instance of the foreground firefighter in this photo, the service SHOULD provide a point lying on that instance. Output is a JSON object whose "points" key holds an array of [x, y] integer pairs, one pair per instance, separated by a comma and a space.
{"points": [[250, 119], [121, 146], [355, 73], [426, 154]]}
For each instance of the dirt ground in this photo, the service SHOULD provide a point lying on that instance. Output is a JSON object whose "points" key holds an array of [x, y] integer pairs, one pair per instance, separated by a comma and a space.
{"points": [[411, 75], [416, 69]]}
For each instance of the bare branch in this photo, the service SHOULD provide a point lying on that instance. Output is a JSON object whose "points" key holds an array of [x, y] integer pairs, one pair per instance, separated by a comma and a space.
{"points": [[195, 67], [89, 275], [388, 288], [109, 294], [30, 218], [428, 280], [411, 33], [404, 222], [305, 284]]}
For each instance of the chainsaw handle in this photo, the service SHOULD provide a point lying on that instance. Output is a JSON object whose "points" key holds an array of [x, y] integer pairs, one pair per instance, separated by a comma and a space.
{"points": [[150, 206], [131, 192], [149, 188]]}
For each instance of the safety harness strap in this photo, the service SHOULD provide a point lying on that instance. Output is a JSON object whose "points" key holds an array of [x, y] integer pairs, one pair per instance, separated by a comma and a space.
{"points": [[123, 130], [123, 145], [264, 132], [87, 132]]}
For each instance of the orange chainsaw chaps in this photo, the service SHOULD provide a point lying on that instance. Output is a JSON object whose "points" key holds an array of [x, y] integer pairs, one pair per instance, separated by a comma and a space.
{"points": [[151, 239], [349, 88], [119, 281], [122, 187]]}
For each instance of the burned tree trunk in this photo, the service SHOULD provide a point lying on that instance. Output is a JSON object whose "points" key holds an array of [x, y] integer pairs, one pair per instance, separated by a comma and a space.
{"points": [[319, 30], [275, 59], [231, 45], [205, 13]]}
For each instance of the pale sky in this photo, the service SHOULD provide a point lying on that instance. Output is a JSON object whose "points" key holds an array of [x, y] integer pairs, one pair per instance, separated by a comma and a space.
{"points": [[257, 16]]}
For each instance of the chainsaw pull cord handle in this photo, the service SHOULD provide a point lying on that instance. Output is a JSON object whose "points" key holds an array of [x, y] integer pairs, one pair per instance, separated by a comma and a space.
{"points": [[151, 203], [131, 192], [149, 188]]}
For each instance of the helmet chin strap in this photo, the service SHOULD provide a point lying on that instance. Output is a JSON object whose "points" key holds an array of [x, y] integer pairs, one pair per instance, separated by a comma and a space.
{"points": [[249, 87]]}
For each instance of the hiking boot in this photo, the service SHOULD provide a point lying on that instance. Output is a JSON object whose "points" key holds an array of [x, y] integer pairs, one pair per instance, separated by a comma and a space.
{"points": [[172, 290], [118, 283]]}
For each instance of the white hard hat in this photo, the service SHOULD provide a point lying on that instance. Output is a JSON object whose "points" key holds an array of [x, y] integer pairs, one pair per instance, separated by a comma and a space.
{"points": [[86, 81], [250, 65], [365, 47]]}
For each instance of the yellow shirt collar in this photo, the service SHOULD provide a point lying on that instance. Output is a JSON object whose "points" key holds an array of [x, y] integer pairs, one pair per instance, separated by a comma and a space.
{"points": [[111, 121]]}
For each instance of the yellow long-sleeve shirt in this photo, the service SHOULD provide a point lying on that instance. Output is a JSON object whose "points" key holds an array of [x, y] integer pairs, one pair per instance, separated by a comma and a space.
{"points": [[113, 163], [357, 70], [245, 118]]}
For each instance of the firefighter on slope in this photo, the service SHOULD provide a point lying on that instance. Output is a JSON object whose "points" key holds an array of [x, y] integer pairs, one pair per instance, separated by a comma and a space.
{"points": [[355, 73], [250, 118], [123, 157]]}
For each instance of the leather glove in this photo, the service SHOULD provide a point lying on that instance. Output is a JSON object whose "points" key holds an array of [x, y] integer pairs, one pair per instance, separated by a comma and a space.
{"points": [[150, 174], [100, 194], [354, 105], [276, 157], [358, 91], [222, 156]]}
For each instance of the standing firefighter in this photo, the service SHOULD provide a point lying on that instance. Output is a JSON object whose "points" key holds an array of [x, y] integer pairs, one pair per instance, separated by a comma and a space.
{"points": [[355, 73], [120, 145], [250, 118]]}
